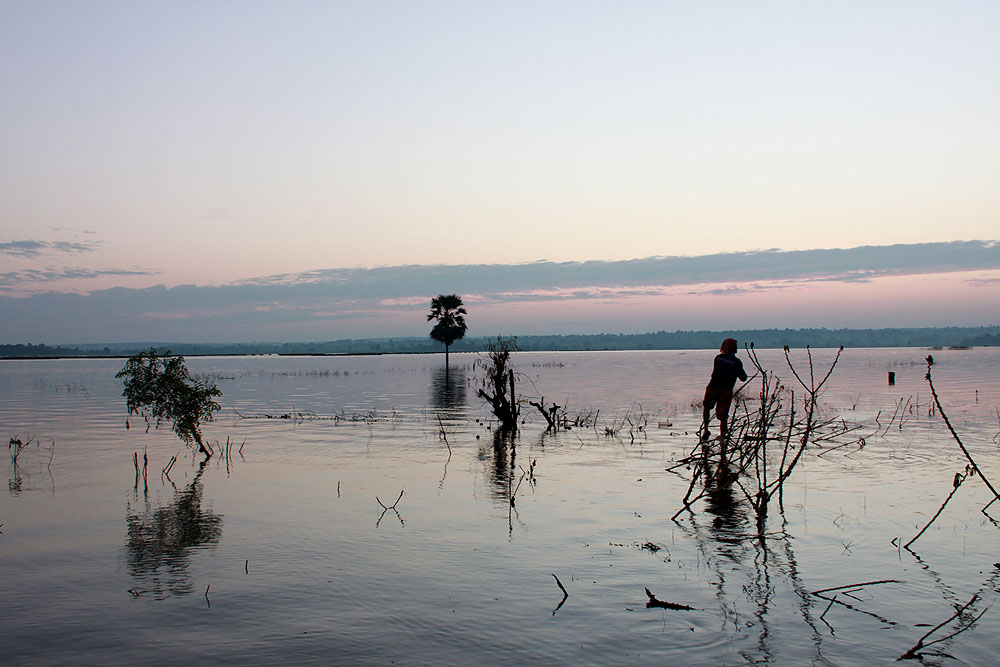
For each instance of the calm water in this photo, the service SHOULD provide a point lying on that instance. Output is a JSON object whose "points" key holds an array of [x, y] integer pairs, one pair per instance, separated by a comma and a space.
{"points": [[282, 553]]}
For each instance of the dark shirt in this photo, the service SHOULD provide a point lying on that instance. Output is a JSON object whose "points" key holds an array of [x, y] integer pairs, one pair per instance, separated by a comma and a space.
{"points": [[727, 368]]}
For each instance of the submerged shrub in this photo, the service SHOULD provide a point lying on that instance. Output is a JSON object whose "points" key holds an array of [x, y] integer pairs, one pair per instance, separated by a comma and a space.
{"points": [[161, 387], [497, 388]]}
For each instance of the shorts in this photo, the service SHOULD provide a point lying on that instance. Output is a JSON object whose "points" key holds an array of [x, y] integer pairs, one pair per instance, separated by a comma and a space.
{"points": [[720, 399]]}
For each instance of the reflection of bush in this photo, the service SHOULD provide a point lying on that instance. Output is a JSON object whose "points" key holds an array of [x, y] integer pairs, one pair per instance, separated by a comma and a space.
{"points": [[160, 540], [501, 464]]}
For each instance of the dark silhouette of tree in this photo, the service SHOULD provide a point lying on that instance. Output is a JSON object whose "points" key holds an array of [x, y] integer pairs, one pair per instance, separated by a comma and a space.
{"points": [[500, 381], [448, 310], [161, 387]]}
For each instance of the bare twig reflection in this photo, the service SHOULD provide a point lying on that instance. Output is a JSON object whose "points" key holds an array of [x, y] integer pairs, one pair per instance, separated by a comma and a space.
{"points": [[967, 623], [853, 588]]}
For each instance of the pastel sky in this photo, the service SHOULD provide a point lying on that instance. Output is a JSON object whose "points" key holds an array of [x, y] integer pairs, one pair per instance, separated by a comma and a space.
{"points": [[315, 170]]}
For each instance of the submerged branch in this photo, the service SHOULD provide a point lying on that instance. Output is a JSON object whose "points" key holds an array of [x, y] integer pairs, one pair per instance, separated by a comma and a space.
{"points": [[937, 402], [959, 478]]}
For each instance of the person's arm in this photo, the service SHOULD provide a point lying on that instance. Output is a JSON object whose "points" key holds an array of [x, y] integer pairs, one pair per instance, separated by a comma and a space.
{"points": [[742, 375]]}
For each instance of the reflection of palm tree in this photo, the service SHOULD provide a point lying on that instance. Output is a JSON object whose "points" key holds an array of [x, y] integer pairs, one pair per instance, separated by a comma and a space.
{"points": [[448, 310], [448, 390], [162, 538]]}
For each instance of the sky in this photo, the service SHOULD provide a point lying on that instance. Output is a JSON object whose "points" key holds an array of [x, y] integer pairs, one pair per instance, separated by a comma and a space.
{"points": [[238, 171]]}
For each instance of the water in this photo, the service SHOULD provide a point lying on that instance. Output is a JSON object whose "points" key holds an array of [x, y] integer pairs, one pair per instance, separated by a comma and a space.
{"points": [[282, 553]]}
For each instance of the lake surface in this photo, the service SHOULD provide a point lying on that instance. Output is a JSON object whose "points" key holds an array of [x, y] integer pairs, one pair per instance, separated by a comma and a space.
{"points": [[281, 552]]}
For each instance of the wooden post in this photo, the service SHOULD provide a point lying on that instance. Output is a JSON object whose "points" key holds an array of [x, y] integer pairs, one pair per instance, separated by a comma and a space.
{"points": [[892, 378]]}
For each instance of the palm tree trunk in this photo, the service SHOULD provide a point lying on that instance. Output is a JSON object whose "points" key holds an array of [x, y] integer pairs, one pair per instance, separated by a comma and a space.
{"points": [[446, 346]]}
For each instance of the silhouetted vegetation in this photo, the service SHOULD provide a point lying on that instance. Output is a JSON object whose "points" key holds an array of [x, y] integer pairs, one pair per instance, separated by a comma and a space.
{"points": [[742, 457], [449, 312], [497, 387], [161, 387]]}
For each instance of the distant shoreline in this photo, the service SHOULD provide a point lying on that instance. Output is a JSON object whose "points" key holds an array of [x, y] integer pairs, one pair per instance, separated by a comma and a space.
{"points": [[926, 337], [385, 354]]}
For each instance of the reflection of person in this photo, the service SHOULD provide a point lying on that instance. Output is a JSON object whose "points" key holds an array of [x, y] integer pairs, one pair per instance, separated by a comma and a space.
{"points": [[719, 392]]}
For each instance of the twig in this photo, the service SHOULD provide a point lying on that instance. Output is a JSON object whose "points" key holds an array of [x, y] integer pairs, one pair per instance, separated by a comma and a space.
{"points": [[894, 412], [565, 595], [959, 478], [393, 506], [167, 468], [864, 583], [444, 434], [550, 414], [561, 587], [937, 402]]}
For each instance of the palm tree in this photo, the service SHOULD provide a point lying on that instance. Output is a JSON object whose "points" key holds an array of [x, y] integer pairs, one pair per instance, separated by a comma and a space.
{"points": [[448, 310]]}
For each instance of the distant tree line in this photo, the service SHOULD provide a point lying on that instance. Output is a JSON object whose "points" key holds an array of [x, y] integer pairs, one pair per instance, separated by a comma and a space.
{"points": [[657, 340]]}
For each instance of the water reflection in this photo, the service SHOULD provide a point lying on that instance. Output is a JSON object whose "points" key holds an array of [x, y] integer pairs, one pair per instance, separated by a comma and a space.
{"points": [[14, 483], [721, 501], [448, 389], [501, 464], [18, 479], [749, 569], [161, 539], [802, 593]]}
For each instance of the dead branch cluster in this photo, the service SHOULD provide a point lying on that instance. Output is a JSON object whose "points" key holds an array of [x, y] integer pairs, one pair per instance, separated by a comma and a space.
{"points": [[549, 412], [16, 446], [634, 422], [497, 387], [764, 444]]}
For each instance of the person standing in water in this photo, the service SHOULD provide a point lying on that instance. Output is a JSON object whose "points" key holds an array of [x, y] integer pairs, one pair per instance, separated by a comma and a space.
{"points": [[719, 392]]}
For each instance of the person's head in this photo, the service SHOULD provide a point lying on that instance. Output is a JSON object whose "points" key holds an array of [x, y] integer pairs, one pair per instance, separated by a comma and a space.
{"points": [[728, 346]]}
